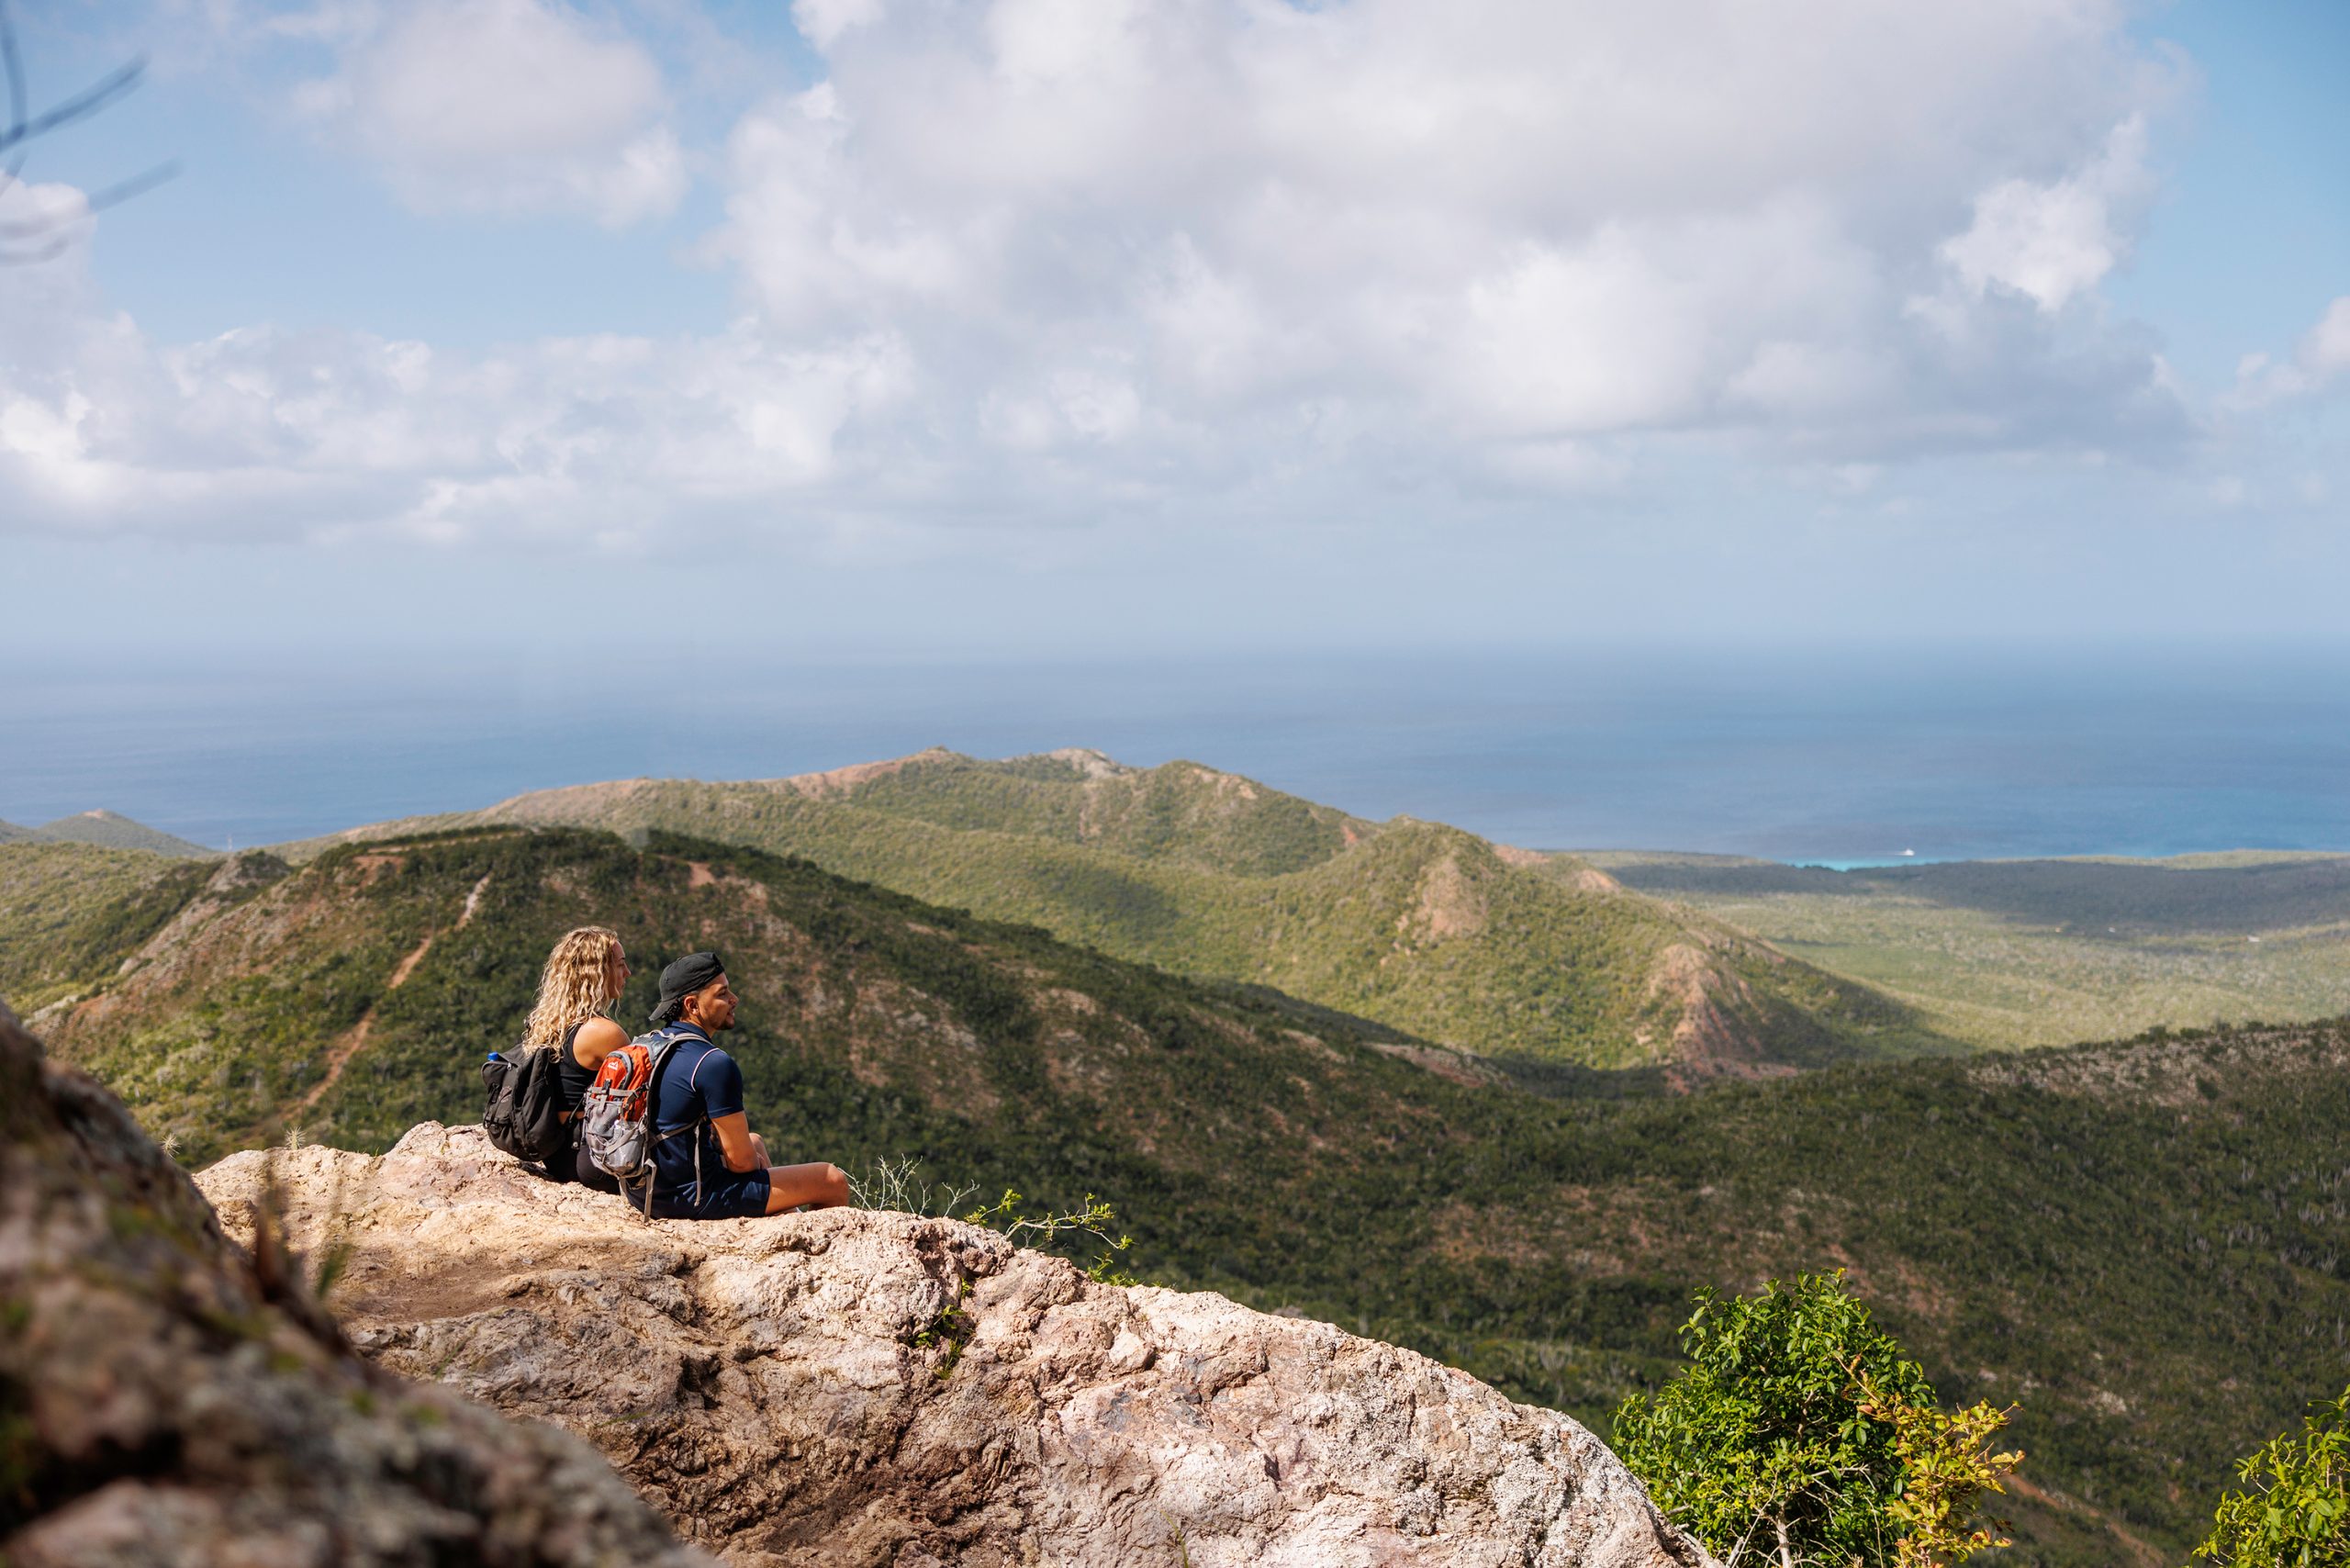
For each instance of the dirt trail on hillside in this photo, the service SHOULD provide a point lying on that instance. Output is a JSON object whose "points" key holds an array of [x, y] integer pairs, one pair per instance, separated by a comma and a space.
{"points": [[2143, 1553], [352, 1041]]}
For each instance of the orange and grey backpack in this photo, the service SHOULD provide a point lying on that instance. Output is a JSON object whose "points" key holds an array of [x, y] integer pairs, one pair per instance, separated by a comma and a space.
{"points": [[617, 1115]]}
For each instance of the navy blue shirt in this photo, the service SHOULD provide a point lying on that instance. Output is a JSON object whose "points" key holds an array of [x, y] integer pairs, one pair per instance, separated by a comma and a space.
{"points": [[699, 1084]]}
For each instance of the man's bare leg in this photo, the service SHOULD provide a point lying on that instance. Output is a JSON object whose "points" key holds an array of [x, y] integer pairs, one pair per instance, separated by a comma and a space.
{"points": [[788, 1186]]}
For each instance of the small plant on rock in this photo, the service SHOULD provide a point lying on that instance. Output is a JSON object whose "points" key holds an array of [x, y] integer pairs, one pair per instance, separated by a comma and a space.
{"points": [[1093, 1218], [893, 1184], [949, 1332]]}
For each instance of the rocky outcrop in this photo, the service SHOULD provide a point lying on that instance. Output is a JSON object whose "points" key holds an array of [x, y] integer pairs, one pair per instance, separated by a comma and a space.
{"points": [[854, 1387], [238, 877], [167, 1400]]}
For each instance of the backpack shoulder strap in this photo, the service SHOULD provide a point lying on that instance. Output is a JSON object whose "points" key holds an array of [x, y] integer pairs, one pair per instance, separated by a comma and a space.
{"points": [[661, 1055], [669, 1042]]}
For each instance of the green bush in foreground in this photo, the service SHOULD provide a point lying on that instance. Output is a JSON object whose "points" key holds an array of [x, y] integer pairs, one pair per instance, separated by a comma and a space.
{"points": [[1801, 1433], [2294, 1511]]}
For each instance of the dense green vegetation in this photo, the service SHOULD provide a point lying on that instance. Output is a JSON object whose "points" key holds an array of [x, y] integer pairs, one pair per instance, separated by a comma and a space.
{"points": [[70, 912], [2145, 1244], [1217, 876], [1800, 1432], [1423, 927], [1182, 814], [2002, 954], [2293, 1508]]}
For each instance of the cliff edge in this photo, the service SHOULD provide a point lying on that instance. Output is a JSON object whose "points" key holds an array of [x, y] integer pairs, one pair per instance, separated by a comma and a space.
{"points": [[864, 1387]]}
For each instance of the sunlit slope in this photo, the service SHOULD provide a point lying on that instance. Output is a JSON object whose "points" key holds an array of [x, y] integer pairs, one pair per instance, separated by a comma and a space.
{"points": [[2036, 952], [1423, 927], [110, 830], [2143, 1243], [66, 909]]}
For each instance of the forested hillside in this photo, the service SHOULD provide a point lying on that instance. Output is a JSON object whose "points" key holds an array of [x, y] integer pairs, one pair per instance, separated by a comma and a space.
{"points": [[2143, 1243], [70, 912], [1423, 927]]}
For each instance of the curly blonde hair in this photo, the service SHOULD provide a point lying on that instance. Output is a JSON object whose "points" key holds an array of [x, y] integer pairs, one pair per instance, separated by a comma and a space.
{"points": [[577, 984]]}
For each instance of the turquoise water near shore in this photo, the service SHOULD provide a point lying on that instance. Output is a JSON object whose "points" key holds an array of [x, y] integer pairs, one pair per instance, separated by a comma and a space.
{"points": [[1836, 758]]}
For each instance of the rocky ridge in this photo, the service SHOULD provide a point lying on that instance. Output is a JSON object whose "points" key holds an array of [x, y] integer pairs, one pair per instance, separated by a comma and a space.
{"points": [[169, 1400], [865, 1387]]}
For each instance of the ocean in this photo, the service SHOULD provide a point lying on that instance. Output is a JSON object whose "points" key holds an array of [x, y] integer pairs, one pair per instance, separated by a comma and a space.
{"points": [[1838, 757]]}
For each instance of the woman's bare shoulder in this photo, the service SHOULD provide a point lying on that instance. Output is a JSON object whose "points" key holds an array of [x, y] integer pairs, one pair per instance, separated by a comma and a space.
{"points": [[599, 1037]]}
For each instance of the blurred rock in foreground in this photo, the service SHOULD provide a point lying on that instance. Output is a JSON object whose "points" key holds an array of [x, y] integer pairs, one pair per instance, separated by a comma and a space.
{"points": [[167, 1400]]}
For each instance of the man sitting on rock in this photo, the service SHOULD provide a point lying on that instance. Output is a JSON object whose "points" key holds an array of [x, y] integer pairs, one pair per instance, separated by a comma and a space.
{"points": [[709, 1164]]}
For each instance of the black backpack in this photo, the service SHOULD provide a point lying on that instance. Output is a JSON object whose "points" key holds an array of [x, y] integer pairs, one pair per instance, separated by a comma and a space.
{"points": [[524, 1115]]}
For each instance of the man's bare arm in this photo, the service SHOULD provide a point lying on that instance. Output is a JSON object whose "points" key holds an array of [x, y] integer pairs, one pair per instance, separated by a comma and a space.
{"points": [[734, 1141]]}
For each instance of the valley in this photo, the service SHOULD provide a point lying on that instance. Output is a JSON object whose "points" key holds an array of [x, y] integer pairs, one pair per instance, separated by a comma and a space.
{"points": [[2141, 1243], [2009, 954]]}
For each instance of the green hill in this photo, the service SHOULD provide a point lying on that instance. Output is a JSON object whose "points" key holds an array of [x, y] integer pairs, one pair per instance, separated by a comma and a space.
{"points": [[10, 833], [2143, 1243], [113, 831], [1426, 928], [2004, 953], [70, 912]]}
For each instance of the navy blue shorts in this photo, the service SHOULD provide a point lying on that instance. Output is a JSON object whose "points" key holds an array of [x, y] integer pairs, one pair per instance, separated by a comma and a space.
{"points": [[729, 1194]]}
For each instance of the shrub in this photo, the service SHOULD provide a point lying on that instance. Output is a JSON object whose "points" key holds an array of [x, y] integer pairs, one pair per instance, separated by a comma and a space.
{"points": [[2294, 1511], [1801, 1432]]}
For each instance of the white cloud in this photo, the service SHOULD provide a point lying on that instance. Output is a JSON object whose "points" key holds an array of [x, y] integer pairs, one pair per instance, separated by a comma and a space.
{"points": [[823, 21], [261, 433], [2326, 351], [1029, 261], [1472, 225], [2054, 243], [518, 106], [2322, 355]]}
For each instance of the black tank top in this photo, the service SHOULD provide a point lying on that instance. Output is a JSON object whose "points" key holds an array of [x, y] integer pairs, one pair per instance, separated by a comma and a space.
{"points": [[572, 1078]]}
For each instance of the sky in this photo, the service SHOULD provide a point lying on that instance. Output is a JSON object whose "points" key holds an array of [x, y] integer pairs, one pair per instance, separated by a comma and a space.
{"points": [[1046, 327]]}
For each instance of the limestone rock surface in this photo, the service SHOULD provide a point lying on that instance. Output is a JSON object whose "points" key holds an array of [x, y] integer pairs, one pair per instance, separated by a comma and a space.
{"points": [[853, 1387], [168, 1401]]}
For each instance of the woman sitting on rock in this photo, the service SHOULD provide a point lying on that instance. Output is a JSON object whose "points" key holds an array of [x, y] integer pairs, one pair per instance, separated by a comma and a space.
{"points": [[583, 979]]}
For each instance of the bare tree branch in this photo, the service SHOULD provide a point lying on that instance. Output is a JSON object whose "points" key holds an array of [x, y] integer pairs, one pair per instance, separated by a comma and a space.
{"points": [[77, 107], [14, 61], [38, 239]]}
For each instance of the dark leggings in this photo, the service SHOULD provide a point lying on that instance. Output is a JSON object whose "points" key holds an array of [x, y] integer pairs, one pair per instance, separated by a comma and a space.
{"points": [[580, 1169]]}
